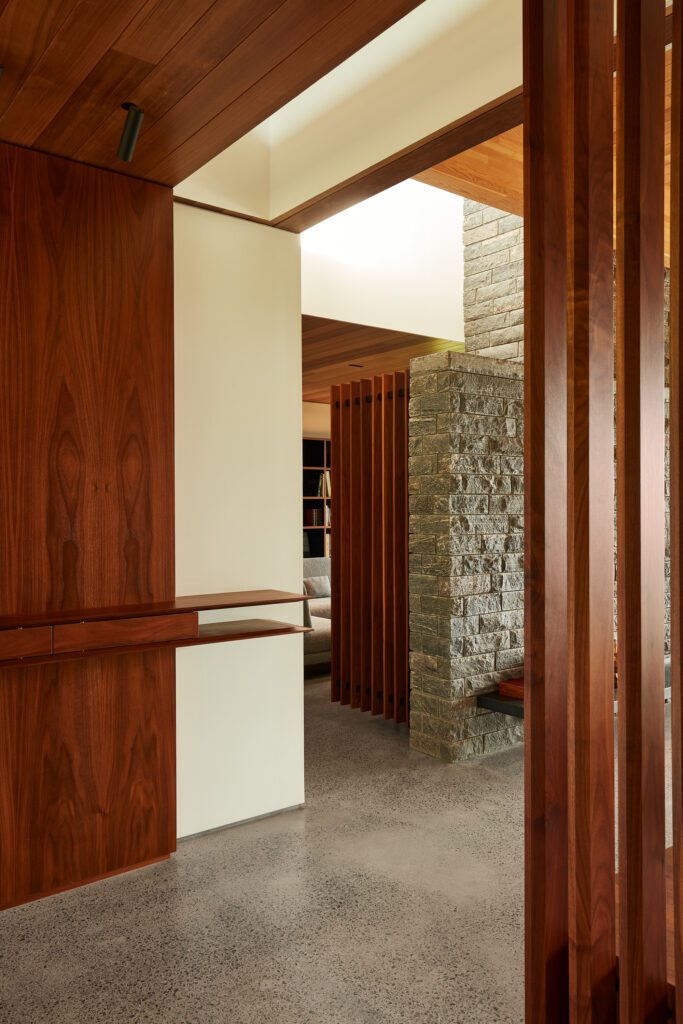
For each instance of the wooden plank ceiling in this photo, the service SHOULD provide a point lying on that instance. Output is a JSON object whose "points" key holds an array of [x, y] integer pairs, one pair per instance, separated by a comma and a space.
{"points": [[493, 171], [336, 352], [205, 72]]}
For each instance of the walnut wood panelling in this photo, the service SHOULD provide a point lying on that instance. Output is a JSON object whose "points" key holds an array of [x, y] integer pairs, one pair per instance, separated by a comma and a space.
{"points": [[370, 508], [175, 606], [87, 771], [25, 643], [86, 371], [84, 636], [590, 583], [675, 903], [87, 784], [640, 507], [204, 72], [331, 347], [545, 513]]}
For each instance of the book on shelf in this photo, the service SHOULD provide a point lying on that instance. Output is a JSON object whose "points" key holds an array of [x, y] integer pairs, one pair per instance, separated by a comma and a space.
{"points": [[327, 493]]}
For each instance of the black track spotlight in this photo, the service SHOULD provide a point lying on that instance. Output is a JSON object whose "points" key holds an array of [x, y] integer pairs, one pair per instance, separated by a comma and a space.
{"points": [[131, 130]]}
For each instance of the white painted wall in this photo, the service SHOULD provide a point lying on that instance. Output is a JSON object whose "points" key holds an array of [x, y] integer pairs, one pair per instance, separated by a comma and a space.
{"points": [[316, 419], [238, 512], [395, 261], [238, 179], [439, 63]]}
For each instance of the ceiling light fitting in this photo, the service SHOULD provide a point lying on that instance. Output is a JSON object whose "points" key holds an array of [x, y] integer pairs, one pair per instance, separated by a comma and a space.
{"points": [[131, 130]]}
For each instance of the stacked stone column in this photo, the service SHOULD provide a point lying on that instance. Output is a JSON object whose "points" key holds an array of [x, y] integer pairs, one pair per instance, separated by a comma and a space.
{"points": [[466, 542]]}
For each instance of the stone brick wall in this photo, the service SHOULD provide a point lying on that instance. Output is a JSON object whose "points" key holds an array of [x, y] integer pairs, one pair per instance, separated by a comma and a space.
{"points": [[466, 549], [493, 244], [494, 282]]}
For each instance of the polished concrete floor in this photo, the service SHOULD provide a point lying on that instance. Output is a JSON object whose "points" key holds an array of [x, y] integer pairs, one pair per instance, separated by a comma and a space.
{"points": [[394, 896]]}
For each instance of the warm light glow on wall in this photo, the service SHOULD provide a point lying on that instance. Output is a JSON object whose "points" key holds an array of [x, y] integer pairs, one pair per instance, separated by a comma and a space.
{"points": [[395, 260]]}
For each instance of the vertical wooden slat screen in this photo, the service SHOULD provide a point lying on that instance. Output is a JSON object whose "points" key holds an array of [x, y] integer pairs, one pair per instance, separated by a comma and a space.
{"points": [[370, 545], [400, 473], [366, 544], [355, 590], [571, 947], [335, 537], [676, 499], [377, 697], [388, 541], [343, 556], [640, 508], [590, 464], [545, 511]]}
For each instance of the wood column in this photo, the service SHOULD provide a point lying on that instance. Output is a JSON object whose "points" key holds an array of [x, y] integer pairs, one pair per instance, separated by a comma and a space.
{"points": [[640, 508], [676, 495], [590, 582], [545, 501]]}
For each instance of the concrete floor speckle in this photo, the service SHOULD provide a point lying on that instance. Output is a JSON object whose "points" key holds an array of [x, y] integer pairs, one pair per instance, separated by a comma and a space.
{"points": [[394, 897]]}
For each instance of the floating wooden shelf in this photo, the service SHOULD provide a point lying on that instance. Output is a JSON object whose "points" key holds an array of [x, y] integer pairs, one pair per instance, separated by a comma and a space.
{"points": [[197, 603], [128, 629]]}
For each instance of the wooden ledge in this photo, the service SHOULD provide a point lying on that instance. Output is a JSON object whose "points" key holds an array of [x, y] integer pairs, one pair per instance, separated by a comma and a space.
{"points": [[197, 603]]}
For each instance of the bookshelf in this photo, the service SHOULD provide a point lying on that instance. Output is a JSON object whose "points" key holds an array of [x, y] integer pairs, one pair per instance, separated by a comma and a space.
{"points": [[316, 495]]}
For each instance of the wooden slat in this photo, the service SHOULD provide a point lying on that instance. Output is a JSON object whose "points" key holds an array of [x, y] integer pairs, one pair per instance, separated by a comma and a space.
{"points": [[401, 546], [365, 459], [355, 544], [388, 542], [343, 554], [590, 599], [335, 535], [376, 685], [545, 496], [675, 948], [640, 507]]}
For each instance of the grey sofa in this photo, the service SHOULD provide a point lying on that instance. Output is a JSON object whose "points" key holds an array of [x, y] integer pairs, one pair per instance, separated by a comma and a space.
{"points": [[318, 613]]}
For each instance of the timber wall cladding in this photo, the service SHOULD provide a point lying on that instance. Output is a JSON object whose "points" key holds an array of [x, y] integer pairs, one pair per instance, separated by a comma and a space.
{"points": [[86, 492], [370, 545]]}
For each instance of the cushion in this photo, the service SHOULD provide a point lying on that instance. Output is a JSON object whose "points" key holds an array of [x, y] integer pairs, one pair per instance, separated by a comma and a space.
{"points": [[307, 615], [321, 606], [320, 639], [318, 586]]}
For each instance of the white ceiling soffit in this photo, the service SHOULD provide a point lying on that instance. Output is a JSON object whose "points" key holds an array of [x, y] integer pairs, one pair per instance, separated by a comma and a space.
{"points": [[443, 60]]}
